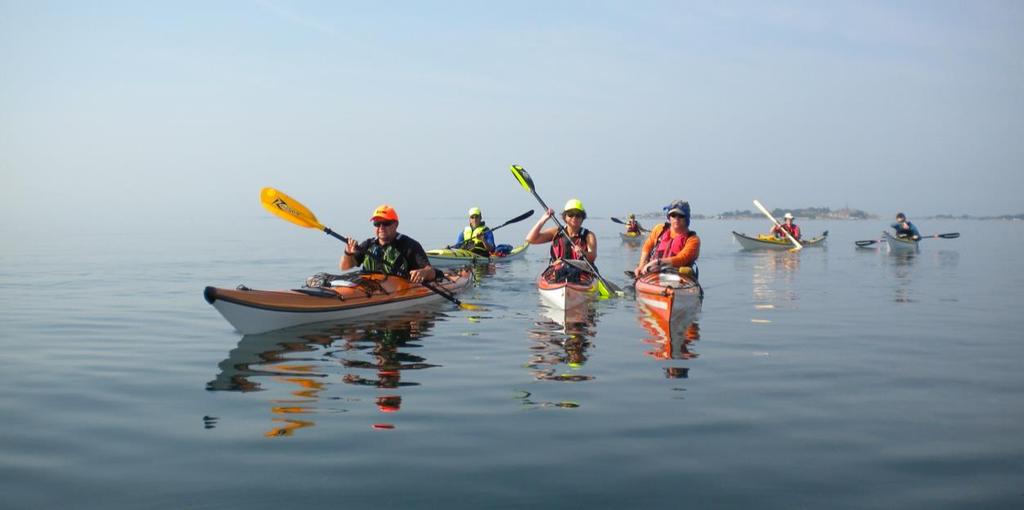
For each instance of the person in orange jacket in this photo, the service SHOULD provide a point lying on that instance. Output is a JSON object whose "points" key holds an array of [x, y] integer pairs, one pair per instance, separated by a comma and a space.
{"points": [[671, 244]]}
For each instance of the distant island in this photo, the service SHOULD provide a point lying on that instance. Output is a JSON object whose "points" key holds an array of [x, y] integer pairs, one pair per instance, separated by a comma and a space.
{"points": [[810, 213], [825, 213]]}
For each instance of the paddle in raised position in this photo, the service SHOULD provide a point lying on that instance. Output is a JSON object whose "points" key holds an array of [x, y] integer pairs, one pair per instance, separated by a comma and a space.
{"points": [[291, 210], [777, 224], [604, 287]]}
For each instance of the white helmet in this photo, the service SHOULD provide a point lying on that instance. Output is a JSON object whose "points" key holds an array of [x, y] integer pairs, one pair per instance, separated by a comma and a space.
{"points": [[788, 216]]}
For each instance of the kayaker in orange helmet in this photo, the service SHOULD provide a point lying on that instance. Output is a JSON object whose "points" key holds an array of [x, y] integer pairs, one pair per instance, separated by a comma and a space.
{"points": [[389, 252], [670, 244], [788, 226], [581, 243]]}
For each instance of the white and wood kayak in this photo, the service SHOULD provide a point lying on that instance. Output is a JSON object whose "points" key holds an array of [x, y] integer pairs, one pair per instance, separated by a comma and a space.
{"points": [[451, 257], [669, 294], [258, 311], [770, 242], [632, 237], [563, 294], [898, 244]]}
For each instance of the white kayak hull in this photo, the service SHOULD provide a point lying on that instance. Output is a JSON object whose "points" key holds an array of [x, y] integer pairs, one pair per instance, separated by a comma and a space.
{"points": [[565, 295], [253, 311], [897, 245], [248, 320]]}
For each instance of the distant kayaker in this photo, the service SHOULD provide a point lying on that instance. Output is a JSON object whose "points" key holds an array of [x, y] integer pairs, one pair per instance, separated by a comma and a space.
{"points": [[632, 227], [670, 244], [904, 228], [389, 252], [582, 243], [787, 226], [477, 236]]}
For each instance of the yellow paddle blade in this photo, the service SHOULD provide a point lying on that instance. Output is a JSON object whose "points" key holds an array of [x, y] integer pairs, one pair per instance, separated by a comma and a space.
{"points": [[524, 178], [602, 290], [468, 306], [287, 208]]}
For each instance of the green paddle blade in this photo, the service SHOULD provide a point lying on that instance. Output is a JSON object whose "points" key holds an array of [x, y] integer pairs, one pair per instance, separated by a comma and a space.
{"points": [[605, 288], [524, 178]]}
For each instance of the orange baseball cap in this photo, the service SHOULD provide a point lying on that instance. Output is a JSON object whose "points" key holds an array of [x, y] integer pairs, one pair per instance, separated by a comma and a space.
{"points": [[384, 212]]}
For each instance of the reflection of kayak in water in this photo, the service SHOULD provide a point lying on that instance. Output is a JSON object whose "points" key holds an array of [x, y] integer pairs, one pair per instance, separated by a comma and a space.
{"points": [[631, 237], [669, 294], [770, 242], [670, 337], [259, 357], [447, 257], [669, 304], [298, 366], [565, 292], [256, 311]]}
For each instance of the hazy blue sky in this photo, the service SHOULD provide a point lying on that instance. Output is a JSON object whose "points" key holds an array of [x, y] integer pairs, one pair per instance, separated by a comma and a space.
{"points": [[144, 112]]}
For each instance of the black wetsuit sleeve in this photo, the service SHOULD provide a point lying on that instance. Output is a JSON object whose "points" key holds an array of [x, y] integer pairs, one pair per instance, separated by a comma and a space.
{"points": [[361, 250], [414, 253]]}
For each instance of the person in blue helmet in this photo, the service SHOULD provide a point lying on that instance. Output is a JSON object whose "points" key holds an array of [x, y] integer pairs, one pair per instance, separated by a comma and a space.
{"points": [[671, 244]]}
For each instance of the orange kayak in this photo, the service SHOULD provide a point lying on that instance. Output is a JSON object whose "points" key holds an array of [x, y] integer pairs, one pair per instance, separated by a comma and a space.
{"points": [[257, 311], [668, 293]]}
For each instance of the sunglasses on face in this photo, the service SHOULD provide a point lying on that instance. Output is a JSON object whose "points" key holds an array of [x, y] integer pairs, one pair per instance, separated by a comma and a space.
{"points": [[574, 215], [676, 215], [378, 224], [477, 216]]}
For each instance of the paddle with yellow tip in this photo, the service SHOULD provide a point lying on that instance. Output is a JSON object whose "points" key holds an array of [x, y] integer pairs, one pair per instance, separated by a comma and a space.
{"points": [[292, 211], [605, 288]]}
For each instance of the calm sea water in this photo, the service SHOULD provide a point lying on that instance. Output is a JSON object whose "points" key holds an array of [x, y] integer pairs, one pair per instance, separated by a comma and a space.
{"points": [[832, 378]]}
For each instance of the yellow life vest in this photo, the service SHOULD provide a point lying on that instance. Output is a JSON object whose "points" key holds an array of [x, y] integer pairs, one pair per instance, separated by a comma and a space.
{"points": [[469, 237]]}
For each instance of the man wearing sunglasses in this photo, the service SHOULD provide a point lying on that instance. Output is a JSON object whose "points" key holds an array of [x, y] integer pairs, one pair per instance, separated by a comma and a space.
{"points": [[389, 252], [477, 237]]}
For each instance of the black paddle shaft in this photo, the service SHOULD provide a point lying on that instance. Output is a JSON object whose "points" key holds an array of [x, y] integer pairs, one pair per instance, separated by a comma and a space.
{"points": [[561, 230], [437, 290], [335, 234]]}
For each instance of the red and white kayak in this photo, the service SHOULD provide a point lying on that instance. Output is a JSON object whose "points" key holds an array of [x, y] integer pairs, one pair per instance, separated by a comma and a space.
{"points": [[564, 294], [669, 293], [257, 311]]}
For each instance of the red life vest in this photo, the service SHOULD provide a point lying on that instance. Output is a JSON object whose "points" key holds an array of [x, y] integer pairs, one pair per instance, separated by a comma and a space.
{"points": [[560, 248], [667, 246]]}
